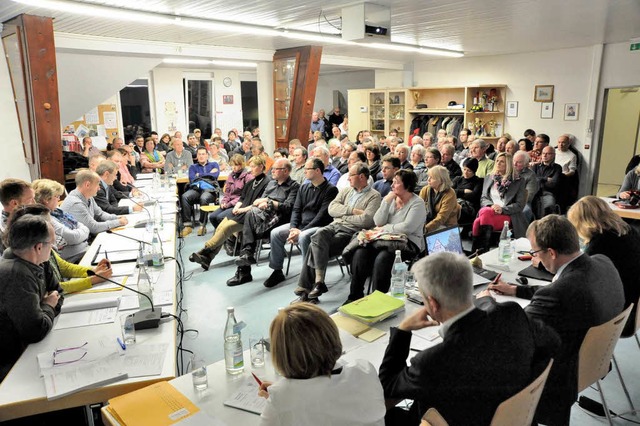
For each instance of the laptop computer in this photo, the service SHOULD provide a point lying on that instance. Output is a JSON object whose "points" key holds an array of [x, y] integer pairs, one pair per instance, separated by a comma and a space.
{"points": [[448, 239]]}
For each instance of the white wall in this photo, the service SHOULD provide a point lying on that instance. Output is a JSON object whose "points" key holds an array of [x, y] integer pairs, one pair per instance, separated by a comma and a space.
{"points": [[13, 162], [168, 93], [343, 82], [228, 116]]}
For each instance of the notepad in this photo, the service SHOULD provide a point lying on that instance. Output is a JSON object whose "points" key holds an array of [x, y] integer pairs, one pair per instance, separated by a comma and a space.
{"points": [[373, 308], [246, 398], [357, 329]]}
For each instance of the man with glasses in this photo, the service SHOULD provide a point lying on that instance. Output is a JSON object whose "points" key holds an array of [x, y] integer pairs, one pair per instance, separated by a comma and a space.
{"points": [[267, 212], [586, 291], [310, 212], [29, 301], [390, 165], [352, 210]]}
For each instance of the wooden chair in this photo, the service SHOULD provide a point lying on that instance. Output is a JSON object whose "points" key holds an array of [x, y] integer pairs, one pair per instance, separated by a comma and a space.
{"points": [[515, 411], [615, 362], [596, 352]]}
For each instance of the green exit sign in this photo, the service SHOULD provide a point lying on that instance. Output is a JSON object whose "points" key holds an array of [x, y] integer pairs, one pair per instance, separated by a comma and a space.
{"points": [[634, 45]]}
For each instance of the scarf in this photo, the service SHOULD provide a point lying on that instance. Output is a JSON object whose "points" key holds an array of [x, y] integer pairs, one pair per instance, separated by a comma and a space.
{"points": [[65, 218], [153, 157], [501, 185]]}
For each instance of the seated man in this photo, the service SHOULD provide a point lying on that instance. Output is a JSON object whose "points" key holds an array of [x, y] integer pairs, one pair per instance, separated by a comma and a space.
{"points": [[13, 193], [355, 157], [81, 205], [478, 149], [548, 174], [446, 153], [203, 189], [178, 161], [352, 210], [29, 301], [541, 141], [310, 211], [569, 180], [521, 166], [390, 165], [486, 356], [267, 212], [299, 159], [585, 292], [251, 191], [107, 196], [331, 174]]}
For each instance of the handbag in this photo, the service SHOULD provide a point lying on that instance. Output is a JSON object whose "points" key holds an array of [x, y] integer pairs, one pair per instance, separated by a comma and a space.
{"points": [[266, 220]]}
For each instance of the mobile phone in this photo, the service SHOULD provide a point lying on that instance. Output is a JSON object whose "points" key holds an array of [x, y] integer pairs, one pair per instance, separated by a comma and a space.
{"points": [[525, 257]]}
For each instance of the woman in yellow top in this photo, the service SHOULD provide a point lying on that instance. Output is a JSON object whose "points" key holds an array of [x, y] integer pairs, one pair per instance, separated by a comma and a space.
{"points": [[439, 200]]}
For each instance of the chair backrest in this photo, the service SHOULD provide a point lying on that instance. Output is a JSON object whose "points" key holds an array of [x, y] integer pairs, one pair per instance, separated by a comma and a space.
{"points": [[515, 411], [597, 349], [520, 408]]}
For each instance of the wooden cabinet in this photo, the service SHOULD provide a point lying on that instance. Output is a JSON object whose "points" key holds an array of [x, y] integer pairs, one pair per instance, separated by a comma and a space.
{"points": [[485, 107]]}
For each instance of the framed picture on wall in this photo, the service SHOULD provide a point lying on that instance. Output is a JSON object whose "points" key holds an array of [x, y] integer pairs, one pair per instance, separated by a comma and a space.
{"points": [[512, 108], [571, 112], [546, 110], [227, 99], [543, 94]]}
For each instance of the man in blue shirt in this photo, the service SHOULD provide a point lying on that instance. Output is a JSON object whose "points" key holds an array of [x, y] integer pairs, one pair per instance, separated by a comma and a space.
{"points": [[331, 174], [203, 189], [390, 165], [317, 124]]}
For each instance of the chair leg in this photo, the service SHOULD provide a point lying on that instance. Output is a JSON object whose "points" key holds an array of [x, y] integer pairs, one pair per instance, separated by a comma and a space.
{"points": [[604, 403], [340, 264], [258, 250], [624, 387], [286, 274], [637, 340]]}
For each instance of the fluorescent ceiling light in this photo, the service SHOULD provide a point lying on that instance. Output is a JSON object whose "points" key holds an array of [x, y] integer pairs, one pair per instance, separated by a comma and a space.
{"points": [[184, 61], [123, 14]]}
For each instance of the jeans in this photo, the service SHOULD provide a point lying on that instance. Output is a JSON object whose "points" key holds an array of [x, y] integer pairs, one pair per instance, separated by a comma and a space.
{"points": [[278, 241]]}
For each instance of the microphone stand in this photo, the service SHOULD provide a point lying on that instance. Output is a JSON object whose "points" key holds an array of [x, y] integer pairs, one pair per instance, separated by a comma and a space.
{"points": [[146, 318]]}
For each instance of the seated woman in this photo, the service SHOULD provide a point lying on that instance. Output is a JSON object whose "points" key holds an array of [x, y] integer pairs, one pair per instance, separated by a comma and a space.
{"points": [[71, 236], [401, 212], [219, 156], [604, 232], [631, 183], [150, 159], [439, 200], [417, 157], [316, 386], [503, 200], [468, 189], [232, 189], [372, 151]]}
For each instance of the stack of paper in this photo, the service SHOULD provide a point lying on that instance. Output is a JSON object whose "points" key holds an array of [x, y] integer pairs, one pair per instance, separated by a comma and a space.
{"points": [[82, 312], [356, 329], [373, 308]]}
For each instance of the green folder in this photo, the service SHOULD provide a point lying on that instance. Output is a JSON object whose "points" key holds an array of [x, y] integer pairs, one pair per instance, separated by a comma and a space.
{"points": [[373, 308]]}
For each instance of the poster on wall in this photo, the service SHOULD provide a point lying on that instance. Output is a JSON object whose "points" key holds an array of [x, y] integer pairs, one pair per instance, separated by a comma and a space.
{"points": [[92, 116], [227, 99], [110, 119], [170, 116]]}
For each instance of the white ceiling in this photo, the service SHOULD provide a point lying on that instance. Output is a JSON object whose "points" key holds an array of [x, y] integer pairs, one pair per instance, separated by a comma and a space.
{"points": [[477, 27]]}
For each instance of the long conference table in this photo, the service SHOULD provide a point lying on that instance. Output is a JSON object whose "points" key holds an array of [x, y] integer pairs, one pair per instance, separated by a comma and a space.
{"points": [[223, 385], [628, 213], [22, 392]]}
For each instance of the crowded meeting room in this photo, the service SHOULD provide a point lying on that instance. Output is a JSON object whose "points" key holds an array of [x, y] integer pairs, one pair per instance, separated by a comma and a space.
{"points": [[301, 214]]}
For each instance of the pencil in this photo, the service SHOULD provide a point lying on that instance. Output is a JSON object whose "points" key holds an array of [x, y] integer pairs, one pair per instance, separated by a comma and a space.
{"points": [[257, 380]]}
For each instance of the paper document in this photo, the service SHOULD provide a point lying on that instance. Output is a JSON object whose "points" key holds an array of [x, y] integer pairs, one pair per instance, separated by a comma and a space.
{"points": [[84, 318], [144, 360], [79, 351], [246, 398], [75, 305], [373, 308]]}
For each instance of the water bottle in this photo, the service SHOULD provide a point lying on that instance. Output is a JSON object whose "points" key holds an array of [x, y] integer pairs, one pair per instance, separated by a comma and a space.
{"points": [[157, 216], [398, 276], [179, 167], [157, 256], [233, 357], [504, 246], [155, 184]]}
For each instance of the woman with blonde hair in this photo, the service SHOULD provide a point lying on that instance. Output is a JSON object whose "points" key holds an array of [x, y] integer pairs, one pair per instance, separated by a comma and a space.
{"points": [[604, 232], [316, 386], [71, 236], [503, 198], [439, 200]]}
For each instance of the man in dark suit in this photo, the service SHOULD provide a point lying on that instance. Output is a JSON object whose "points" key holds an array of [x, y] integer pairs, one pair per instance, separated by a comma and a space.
{"points": [[585, 292], [107, 197], [486, 356]]}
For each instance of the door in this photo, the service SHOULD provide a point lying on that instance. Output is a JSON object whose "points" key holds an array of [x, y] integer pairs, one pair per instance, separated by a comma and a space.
{"points": [[620, 138]]}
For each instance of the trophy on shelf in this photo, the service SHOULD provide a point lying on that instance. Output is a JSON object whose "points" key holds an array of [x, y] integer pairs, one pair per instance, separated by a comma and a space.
{"points": [[284, 130], [416, 98], [286, 111], [492, 128]]}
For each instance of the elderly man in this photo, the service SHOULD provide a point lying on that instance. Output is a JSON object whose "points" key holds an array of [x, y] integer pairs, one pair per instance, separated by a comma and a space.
{"points": [[335, 118], [330, 173], [107, 197], [117, 143], [335, 151], [548, 174], [402, 152], [299, 159], [203, 190], [541, 141], [343, 161], [310, 211], [390, 165], [455, 376], [87, 147], [569, 183], [352, 210], [13, 194], [95, 160], [417, 140], [293, 144], [521, 166], [82, 206], [501, 146], [446, 152], [478, 148], [586, 291], [354, 157], [317, 125], [267, 212], [178, 161], [30, 300]]}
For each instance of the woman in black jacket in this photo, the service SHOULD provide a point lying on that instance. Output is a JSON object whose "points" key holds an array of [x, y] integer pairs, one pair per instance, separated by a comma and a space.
{"points": [[468, 189]]}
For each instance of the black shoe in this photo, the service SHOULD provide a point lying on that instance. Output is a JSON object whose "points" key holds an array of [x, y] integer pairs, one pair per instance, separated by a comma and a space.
{"points": [[318, 290], [203, 258], [242, 276], [229, 246], [275, 278], [300, 299], [246, 259]]}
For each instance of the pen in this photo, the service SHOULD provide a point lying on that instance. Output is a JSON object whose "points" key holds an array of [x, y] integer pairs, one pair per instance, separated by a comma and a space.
{"points": [[257, 380], [495, 281], [121, 343]]}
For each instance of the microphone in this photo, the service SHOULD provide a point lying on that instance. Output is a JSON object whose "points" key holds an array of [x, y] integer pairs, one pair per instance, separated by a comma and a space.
{"points": [[142, 223], [109, 231], [149, 201], [146, 318]]}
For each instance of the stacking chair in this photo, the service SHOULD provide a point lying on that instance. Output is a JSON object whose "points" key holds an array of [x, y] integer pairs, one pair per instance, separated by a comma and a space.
{"points": [[515, 411], [615, 362], [596, 353], [290, 253]]}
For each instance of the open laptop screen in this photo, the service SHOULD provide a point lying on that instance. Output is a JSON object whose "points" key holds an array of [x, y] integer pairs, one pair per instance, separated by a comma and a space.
{"points": [[445, 239]]}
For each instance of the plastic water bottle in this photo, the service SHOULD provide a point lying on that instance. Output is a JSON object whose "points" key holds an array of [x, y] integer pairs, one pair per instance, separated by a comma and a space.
{"points": [[504, 246], [398, 276], [233, 357], [157, 255], [155, 184]]}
